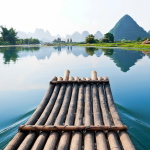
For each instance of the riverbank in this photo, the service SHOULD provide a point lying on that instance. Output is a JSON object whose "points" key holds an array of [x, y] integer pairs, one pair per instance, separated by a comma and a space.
{"points": [[128, 46]]}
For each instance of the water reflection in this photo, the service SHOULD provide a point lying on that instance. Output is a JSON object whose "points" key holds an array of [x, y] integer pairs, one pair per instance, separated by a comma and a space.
{"points": [[11, 53], [91, 50], [124, 59], [146, 53]]}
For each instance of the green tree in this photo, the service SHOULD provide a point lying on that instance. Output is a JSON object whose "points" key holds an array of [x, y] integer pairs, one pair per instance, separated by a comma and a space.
{"points": [[105, 40], [34, 41], [138, 39], [109, 36], [9, 35], [90, 39]]}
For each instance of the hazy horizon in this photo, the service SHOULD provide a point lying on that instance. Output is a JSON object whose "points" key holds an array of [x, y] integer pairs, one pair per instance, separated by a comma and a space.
{"points": [[67, 16]]}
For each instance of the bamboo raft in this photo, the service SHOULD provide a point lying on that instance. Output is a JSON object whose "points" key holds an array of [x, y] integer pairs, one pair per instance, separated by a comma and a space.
{"points": [[75, 113]]}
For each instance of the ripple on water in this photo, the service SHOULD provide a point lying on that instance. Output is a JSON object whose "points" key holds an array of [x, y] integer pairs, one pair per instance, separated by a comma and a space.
{"points": [[137, 126], [8, 133]]}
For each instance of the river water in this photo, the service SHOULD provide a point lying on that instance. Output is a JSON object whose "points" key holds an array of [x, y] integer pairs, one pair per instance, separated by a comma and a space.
{"points": [[25, 73]]}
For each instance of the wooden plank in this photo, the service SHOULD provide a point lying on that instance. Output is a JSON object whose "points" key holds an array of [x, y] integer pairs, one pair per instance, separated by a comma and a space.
{"points": [[89, 135], [19, 137], [124, 137]]}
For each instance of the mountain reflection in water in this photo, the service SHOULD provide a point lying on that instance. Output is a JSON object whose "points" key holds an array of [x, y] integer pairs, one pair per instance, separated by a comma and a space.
{"points": [[124, 59]]}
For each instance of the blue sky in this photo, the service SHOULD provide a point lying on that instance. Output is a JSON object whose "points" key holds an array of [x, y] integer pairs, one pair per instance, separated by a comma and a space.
{"points": [[67, 16]]}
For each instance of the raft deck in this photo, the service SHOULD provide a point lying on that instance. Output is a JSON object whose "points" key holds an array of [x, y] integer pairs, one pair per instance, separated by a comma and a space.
{"points": [[75, 113]]}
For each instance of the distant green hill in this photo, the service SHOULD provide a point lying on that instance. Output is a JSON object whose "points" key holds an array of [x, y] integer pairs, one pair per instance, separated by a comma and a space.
{"points": [[126, 28], [149, 31]]}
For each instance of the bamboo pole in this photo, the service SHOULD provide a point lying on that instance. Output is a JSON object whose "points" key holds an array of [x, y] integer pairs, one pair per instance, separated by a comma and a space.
{"points": [[68, 127], [19, 137], [100, 136], [124, 137], [50, 105], [41, 139], [42, 105], [30, 138], [63, 111], [64, 141], [66, 75], [76, 141], [96, 105], [80, 81], [89, 135], [112, 138], [53, 137]]}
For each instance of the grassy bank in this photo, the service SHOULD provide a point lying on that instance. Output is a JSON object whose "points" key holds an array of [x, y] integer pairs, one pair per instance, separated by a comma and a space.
{"points": [[136, 45]]}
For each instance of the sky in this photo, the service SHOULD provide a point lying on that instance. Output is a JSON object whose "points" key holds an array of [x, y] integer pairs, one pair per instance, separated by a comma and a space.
{"points": [[67, 16]]}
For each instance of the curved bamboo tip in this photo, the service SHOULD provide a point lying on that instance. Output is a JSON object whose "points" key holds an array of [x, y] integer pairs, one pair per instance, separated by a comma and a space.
{"points": [[71, 78], [66, 75], [88, 79], [77, 78], [105, 78], [100, 78], [54, 78], [60, 79], [94, 75], [83, 78]]}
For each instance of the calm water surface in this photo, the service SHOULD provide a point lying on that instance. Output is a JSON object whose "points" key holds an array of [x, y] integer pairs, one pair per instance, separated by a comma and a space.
{"points": [[25, 74]]}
